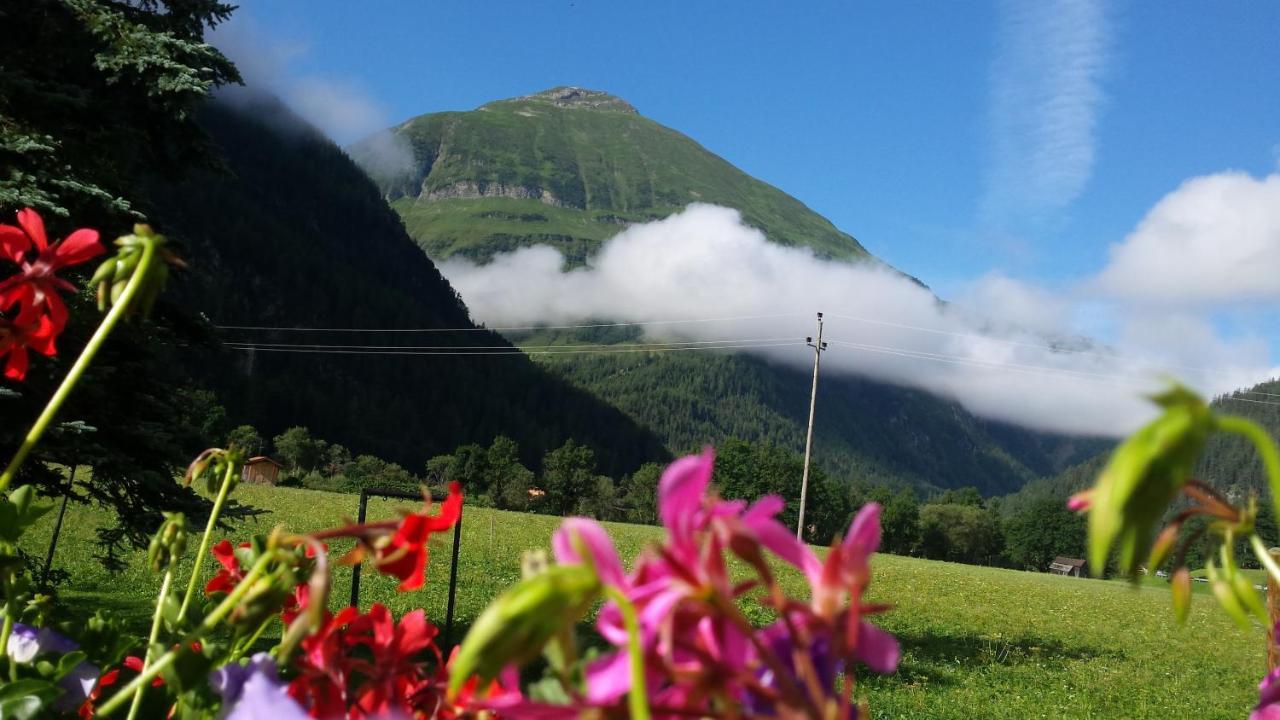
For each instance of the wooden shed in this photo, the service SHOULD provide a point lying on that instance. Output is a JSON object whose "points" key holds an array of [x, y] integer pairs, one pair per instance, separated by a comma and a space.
{"points": [[261, 470], [1072, 567]]}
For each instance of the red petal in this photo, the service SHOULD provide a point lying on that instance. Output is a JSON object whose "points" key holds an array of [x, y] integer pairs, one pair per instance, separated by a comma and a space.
{"points": [[78, 247], [134, 663], [16, 368], [14, 243], [34, 226], [226, 555], [42, 339]]}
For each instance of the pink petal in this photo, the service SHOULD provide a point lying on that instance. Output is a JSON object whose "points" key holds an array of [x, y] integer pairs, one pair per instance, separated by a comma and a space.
{"points": [[592, 537], [78, 247], [777, 538], [681, 489], [33, 225], [878, 649], [608, 678], [864, 532]]}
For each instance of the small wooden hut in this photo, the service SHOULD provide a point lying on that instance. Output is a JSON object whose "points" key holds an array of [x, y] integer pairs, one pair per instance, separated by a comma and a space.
{"points": [[1071, 567], [261, 470]]}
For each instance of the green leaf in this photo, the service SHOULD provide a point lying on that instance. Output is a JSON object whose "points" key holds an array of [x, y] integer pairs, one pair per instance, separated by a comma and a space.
{"points": [[1143, 476], [25, 699]]}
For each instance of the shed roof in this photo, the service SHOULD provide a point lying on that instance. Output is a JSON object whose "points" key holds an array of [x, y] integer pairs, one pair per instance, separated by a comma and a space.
{"points": [[261, 459], [1071, 562]]}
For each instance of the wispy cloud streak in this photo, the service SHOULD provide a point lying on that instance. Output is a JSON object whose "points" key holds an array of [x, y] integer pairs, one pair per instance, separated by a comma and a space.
{"points": [[1045, 98]]}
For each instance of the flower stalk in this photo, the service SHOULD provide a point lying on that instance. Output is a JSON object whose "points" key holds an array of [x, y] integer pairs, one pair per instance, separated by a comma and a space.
{"points": [[206, 626], [223, 490], [151, 639], [118, 311]]}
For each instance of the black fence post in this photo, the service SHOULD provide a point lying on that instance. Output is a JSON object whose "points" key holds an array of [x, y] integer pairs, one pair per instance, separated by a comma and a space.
{"points": [[365, 494], [355, 569], [453, 577], [57, 525]]}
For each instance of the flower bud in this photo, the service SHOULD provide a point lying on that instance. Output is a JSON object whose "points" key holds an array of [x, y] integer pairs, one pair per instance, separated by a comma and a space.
{"points": [[516, 627], [169, 542]]}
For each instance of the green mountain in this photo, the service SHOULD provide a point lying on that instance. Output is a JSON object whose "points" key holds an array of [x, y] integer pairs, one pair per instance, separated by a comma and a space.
{"points": [[570, 168], [292, 233]]}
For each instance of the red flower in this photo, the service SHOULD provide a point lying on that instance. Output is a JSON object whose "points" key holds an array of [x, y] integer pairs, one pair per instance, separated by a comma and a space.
{"points": [[324, 666], [27, 331], [37, 284], [405, 555], [231, 574], [41, 315]]}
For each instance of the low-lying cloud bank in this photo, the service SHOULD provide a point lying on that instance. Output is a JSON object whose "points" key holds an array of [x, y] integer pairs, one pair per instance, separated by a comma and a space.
{"points": [[1006, 350]]}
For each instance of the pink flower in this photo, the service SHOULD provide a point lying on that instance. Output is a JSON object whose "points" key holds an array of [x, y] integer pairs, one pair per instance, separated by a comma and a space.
{"points": [[1268, 698]]}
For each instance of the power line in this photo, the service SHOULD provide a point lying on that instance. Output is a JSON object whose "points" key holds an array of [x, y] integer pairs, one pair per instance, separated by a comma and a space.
{"points": [[1012, 367], [507, 328], [1021, 343], [511, 351], [526, 348]]}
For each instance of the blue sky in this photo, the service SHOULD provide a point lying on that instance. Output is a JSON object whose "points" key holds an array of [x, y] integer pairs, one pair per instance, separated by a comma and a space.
{"points": [[877, 115]]}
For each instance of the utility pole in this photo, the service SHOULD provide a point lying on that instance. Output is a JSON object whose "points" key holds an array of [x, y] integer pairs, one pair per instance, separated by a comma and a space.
{"points": [[818, 347]]}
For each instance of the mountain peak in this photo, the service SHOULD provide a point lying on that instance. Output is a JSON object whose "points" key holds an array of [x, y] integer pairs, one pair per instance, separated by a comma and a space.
{"points": [[569, 96]]}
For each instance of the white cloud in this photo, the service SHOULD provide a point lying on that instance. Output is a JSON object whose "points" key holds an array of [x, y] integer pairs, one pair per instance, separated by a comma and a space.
{"points": [[1043, 110], [1215, 240], [342, 108], [704, 262]]}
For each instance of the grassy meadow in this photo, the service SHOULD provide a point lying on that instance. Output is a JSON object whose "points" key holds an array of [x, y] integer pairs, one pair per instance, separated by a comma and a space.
{"points": [[978, 642]]}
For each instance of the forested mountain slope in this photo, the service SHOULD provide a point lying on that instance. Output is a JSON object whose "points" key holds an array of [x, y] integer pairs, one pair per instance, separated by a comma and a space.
{"points": [[294, 234]]}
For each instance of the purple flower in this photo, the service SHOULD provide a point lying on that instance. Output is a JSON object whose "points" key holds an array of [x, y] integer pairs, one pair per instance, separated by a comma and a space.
{"points": [[26, 642], [254, 691]]}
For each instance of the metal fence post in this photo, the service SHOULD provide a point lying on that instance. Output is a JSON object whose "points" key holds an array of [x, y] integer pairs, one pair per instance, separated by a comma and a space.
{"points": [[355, 570], [453, 576]]}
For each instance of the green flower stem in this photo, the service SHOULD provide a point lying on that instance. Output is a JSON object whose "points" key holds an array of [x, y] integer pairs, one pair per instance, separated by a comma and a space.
{"points": [[637, 696], [118, 311], [1263, 443], [204, 539], [206, 626], [155, 634], [5, 633]]}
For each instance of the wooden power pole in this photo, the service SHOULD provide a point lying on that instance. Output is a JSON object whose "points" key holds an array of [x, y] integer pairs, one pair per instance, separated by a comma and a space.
{"points": [[818, 346]]}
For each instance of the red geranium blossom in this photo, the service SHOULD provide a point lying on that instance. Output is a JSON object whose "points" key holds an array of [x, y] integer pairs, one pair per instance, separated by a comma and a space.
{"points": [[37, 285], [27, 331], [35, 312], [231, 574], [405, 554]]}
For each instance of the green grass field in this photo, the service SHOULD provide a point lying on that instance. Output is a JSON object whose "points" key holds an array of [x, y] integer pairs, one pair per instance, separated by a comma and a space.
{"points": [[978, 642]]}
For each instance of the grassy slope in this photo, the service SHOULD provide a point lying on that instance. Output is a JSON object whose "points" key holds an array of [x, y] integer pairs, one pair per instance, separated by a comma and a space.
{"points": [[603, 167], [979, 642]]}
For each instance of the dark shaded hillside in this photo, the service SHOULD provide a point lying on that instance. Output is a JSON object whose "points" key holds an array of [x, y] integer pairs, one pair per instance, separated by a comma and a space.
{"points": [[296, 235]]}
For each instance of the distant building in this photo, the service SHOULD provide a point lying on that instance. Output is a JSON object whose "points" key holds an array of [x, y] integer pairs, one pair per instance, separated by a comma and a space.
{"points": [[1071, 567], [261, 470]]}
